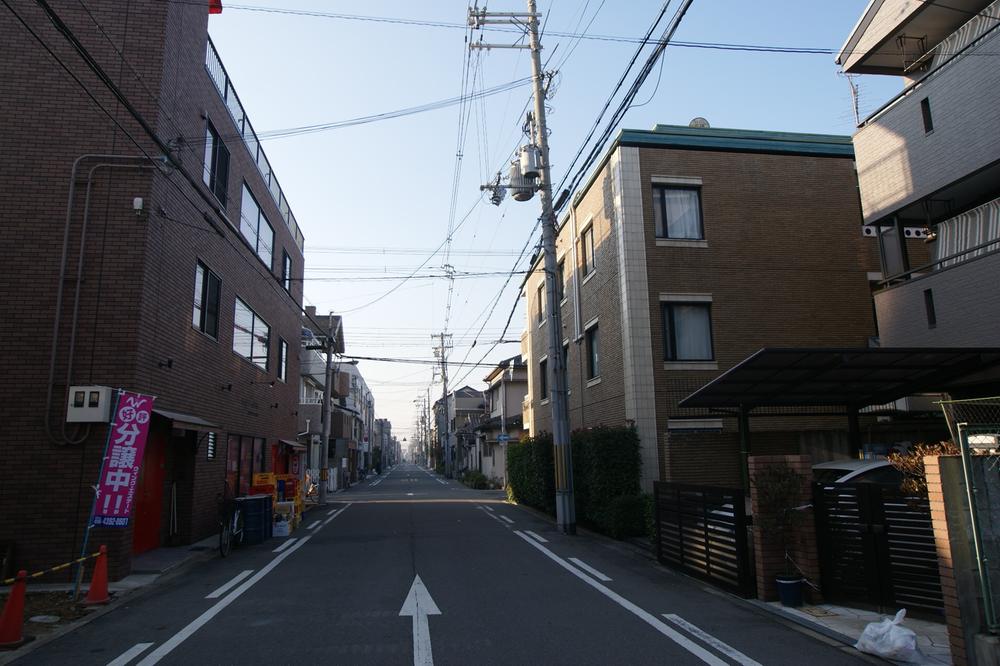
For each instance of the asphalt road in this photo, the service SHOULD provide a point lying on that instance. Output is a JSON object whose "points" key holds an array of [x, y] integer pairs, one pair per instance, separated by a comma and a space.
{"points": [[507, 588]]}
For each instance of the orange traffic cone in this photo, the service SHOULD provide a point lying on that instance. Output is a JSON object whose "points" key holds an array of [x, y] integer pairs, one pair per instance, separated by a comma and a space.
{"points": [[12, 620], [98, 591]]}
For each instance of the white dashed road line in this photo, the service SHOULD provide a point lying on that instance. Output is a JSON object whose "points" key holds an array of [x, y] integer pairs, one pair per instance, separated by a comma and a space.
{"points": [[231, 584], [285, 545], [509, 521], [130, 654], [642, 614], [589, 569], [725, 649], [313, 525], [537, 538]]}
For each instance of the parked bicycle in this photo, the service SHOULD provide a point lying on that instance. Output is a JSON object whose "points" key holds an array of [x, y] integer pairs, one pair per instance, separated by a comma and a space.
{"points": [[230, 522]]}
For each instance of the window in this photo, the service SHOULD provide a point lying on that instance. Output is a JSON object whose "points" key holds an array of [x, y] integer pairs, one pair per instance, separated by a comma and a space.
{"points": [[543, 379], [251, 335], [561, 281], [687, 331], [255, 227], [282, 359], [539, 300], [587, 263], [207, 287], [565, 356], [216, 164], [677, 211], [929, 308], [593, 355], [925, 111], [286, 271]]}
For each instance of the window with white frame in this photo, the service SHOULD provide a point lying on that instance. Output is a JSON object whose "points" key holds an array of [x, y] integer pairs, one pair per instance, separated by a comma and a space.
{"points": [[593, 342], [588, 264], [282, 359], [255, 228], [539, 303], [687, 331], [677, 211], [251, 335], [543, 379]]}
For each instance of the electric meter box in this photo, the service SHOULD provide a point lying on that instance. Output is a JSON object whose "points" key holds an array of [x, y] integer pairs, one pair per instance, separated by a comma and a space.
{"points": [[89, 404]]}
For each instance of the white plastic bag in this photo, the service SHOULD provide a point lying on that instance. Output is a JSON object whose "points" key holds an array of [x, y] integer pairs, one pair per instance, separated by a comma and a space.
{"points": [[891, 640]]}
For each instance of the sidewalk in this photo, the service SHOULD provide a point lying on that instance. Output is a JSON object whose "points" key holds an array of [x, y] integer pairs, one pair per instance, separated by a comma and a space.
{"points": [[847, 624]]}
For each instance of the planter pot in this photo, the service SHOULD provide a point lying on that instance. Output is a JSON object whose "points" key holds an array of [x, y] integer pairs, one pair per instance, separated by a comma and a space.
{"points": [[790, 590]]}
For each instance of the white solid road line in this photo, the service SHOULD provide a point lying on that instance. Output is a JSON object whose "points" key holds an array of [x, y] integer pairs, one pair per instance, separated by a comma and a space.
{"points": [[159, 653], [231, 584], [489, 508], [332, 511], [725, 649], [285, 545], [130, 654], [537, 538], [342, 510], [503, 517], [589, 569], [643, 615], [313, 525]]}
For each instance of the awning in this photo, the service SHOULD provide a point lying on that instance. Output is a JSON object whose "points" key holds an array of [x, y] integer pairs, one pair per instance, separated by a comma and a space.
{"points": [[293, 444], [844, 377], [185, 421]]}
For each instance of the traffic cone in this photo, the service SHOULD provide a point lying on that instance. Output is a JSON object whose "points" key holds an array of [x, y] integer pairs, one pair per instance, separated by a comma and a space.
{"points": [[98, 591], [12, 620]]}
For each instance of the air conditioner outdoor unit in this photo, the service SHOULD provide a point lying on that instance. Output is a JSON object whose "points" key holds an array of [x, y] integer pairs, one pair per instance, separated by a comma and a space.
{"points": [[89, 404]]}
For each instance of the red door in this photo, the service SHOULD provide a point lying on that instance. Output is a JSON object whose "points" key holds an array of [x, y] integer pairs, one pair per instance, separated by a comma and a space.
{"points": [[149, 495]]}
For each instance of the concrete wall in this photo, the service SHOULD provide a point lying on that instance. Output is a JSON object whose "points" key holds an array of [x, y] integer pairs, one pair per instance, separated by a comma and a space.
{"points": [[898, 162], [966, 305]]}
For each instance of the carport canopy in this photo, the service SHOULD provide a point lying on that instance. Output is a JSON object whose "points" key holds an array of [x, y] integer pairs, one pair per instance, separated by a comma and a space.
{"points": [[851, 378]]}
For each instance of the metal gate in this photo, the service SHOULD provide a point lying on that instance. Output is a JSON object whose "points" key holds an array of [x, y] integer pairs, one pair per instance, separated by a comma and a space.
{"points": [[877, 549], [702, 531]]}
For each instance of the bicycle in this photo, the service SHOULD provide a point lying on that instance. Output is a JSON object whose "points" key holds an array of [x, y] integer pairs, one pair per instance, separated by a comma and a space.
{"points": [[230, 523]]}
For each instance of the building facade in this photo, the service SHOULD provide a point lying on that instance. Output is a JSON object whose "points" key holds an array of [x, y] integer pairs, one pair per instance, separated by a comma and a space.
{"points": [[689, 249], [929, 169], [507, 386], [156, 253]]}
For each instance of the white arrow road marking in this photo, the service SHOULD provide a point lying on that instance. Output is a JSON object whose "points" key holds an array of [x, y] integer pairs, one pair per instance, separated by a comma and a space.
{"points": [[130, 654], [642, 614], [419, 605], [589, 569], [725, 649], [233, 583]]}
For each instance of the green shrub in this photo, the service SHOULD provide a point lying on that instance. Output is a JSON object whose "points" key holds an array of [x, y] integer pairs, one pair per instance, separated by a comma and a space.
{"points": [[476, 480], [625, 517], [606, 465], [649, 509], [531, 473]]}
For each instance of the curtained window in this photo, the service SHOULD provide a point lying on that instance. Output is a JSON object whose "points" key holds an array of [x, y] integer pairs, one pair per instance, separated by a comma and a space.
{"points": [[687, 332], [677, 211]]}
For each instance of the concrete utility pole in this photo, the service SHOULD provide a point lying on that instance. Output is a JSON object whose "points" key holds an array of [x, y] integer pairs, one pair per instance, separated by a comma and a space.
{"points": [[442, 352], [324, 456], [562, 453]]}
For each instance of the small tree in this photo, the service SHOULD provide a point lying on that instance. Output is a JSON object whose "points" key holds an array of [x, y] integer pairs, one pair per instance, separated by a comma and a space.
{"points": [[911, 463], [779, 505]]}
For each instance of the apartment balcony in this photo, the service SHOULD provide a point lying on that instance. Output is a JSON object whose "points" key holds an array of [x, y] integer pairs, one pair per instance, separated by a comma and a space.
{"points": [[934, 150], [952, 301]]}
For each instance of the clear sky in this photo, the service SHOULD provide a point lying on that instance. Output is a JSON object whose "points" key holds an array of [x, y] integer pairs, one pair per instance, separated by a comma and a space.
{"points": [[374, 199]]}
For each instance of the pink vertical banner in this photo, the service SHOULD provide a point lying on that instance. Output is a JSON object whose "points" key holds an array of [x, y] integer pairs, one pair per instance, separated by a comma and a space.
{"points": [[122, 460]]}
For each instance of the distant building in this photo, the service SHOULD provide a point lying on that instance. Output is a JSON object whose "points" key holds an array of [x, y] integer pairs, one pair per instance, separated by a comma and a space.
{"points": [[175, 269], [929, 168], [687, 250], [507, 387], [463, 412]]}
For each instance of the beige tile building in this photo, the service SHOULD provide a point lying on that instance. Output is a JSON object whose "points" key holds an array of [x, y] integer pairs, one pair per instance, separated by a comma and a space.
{"points": [[686, 251]]}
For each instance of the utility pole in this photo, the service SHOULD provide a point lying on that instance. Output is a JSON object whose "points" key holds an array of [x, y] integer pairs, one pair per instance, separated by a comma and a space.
{"points": [[441, 351], [562, 453], [324, 456]]}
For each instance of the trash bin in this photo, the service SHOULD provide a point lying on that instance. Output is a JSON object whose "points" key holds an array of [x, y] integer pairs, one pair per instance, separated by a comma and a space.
{"points": [[258, 517]]}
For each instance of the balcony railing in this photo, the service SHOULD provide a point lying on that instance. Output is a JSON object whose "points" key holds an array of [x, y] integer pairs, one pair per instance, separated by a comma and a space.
{"points": [[219, 76]]}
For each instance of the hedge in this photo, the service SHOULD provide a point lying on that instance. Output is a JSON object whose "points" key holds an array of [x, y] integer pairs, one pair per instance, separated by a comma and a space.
{"points": [[606, 468]]}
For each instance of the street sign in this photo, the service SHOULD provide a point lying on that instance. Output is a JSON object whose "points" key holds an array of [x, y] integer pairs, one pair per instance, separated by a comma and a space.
{"points": [[503, 437]]}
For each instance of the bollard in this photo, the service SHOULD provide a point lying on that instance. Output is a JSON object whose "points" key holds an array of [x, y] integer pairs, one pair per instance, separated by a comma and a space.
{"points": [[12, 620], [98, 591]]}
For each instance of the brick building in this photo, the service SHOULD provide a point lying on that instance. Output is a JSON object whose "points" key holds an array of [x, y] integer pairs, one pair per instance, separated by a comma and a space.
{"points": [[151, 251], [686, 251]]}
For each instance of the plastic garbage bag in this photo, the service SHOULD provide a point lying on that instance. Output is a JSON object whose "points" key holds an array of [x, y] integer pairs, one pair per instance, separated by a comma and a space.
{"points": [[890, 640]]}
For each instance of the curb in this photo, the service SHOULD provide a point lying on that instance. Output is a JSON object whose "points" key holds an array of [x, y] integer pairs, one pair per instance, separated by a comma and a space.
{"points": [[119, 598]]}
